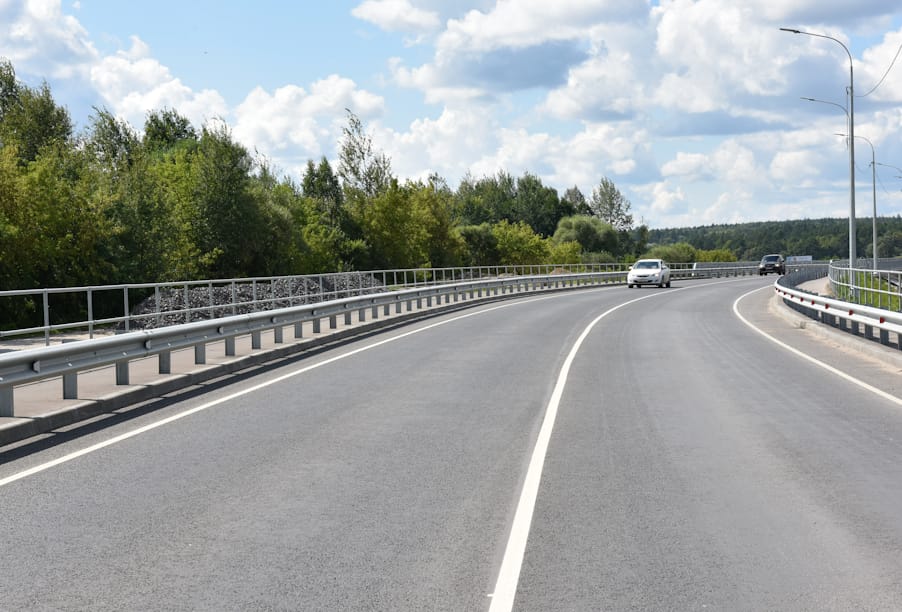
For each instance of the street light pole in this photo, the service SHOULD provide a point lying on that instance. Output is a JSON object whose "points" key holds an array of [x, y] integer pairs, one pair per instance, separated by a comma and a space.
{"points": [[873, 165], [852, 254]]}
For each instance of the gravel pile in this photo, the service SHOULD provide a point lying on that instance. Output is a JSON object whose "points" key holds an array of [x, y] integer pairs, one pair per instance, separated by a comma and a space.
{"points": [[205, 302]]}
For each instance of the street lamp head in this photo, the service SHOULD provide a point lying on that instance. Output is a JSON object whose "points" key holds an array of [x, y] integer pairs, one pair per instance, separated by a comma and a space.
{"points": [[791, 30]]}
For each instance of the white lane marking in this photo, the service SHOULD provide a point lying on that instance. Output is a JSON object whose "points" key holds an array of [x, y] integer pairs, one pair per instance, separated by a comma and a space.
{"points": [[175, 417], [509, 574], [817, 362]]}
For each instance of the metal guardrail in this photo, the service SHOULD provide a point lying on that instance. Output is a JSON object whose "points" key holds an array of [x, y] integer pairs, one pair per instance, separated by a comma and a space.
{"points": [[187, 301], [67, 360], [842, 314]]}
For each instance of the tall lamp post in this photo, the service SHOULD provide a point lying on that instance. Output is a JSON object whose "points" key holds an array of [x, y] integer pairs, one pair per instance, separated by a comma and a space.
{"points": [[852, 254], [874, 192]]}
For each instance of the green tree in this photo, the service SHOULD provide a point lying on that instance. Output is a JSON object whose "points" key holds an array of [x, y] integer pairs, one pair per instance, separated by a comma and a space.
{"points": [[363, 170], [321, 184], [227, 229], [609, 205], [165, 129], [481, 245], [576, 201], [395, 230], [29, 117], [591, 233], [681, 252], [434, 202], [518, 244], [564, 252], [538, 205]]}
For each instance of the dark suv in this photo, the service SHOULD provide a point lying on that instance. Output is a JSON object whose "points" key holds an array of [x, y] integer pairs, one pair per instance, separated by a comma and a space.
{"points": [[772, 263]]}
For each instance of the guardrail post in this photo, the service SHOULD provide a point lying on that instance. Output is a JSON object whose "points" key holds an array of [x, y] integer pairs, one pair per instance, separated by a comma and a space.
{"points": [[884, 337], [361, 315], [6, 401], [230, 346], [333, 322], [316, 325], [46, 319], [200, 353], [70, 386], [277, 334], [256, 340], [122, 372], [298, 330], [165, 362], [348, 317], [375, 312]]}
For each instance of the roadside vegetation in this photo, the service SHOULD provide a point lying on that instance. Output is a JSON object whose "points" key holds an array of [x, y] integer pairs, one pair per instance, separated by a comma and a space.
{"points": [[171, 201]]}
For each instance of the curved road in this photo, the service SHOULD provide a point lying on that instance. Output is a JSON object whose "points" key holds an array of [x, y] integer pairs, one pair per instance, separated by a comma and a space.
{"points": [[604, 449]]}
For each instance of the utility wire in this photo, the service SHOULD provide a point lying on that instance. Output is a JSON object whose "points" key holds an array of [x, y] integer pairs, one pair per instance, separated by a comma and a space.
{"points": [[880, 82]]}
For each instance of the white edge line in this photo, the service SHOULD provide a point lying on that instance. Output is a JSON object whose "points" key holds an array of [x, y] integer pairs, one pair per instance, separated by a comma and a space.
{"points": [[175, 417], [807, 357]]}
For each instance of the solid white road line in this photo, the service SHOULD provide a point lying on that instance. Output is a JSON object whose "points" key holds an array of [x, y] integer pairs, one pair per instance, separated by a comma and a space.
{"points": [[817, 362], [136, 432], [509, 575]]}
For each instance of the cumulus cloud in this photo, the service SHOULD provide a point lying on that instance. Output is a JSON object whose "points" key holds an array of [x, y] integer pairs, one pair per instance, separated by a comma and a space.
{"points": [[691, 106], [294, 125], [132, 83], [39, 39], [397, 16]]}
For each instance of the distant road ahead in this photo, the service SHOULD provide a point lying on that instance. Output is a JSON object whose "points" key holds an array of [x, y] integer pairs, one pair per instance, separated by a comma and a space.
{"points": [[692, 464]]}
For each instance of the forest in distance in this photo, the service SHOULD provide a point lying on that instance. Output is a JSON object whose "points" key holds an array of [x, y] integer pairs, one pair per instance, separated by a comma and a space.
{"points": [[111, 203]]}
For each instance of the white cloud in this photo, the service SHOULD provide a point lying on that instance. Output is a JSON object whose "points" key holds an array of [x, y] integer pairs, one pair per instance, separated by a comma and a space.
{"points": [[293, 125], [39, 39], [397, 16], [691, 106], [132, 83]]}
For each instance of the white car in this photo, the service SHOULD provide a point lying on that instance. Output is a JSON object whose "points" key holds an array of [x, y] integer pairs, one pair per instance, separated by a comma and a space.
{"points": [[648, 272]]}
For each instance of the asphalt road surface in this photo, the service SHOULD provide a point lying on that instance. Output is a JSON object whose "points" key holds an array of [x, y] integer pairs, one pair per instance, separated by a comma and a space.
{"points": [[604, 449]]}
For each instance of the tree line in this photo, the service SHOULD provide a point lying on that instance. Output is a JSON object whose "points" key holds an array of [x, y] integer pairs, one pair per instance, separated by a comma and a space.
{"points": [[172, 201], [822, 239]]}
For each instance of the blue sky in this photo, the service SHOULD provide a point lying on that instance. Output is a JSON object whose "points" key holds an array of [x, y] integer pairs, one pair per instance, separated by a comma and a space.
{"points": [[690, 106]]}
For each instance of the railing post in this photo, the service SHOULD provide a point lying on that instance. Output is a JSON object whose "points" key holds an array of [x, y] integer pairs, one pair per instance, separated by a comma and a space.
{"points": [[70, 386], [230, 346], [256, 339], [90, 297], [46, 318], [165, 362], [6, 401], [122, 372], [125, 308]]}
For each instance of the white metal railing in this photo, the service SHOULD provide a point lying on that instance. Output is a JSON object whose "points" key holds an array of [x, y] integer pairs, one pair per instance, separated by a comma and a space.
{"points": [[845, 315], [116, 307], [879, 286], [67, 360]]}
